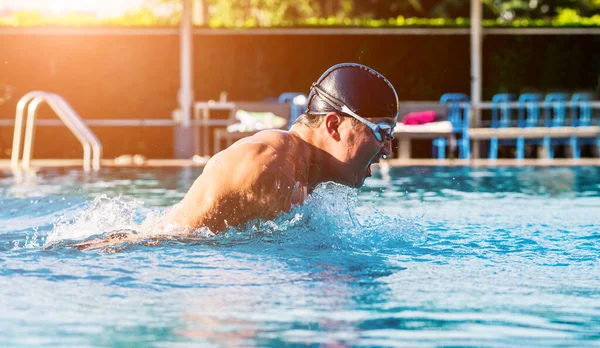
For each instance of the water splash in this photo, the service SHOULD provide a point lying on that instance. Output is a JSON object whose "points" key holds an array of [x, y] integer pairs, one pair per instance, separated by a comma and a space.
{"points": [[328, 219], [104, 215], [30, 242]]}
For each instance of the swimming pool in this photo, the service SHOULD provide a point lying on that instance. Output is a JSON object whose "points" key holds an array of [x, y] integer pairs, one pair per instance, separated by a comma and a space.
{"points": [[419, 257]]}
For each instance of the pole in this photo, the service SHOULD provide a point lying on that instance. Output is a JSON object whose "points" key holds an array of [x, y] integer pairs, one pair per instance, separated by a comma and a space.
{"points": [[476, 43], [476, 52], [183, 145]]}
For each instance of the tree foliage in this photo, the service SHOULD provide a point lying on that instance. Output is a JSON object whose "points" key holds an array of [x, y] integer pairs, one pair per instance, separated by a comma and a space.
{"points": [[324, 13], [236, 13]]}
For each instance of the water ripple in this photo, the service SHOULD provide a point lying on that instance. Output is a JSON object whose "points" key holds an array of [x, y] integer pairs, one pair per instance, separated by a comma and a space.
{"points": [[420, 257]]}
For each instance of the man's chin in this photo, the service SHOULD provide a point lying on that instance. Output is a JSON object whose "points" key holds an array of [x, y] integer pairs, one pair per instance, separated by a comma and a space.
{"points": [[356, 182], [361, 177], [359, 185], [359, 181]]}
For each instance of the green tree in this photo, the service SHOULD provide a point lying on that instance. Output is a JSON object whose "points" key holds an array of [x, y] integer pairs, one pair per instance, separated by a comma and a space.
{"points": [[258, 12], [274, 12], [508, 9], [502, 9], [250, 12]]}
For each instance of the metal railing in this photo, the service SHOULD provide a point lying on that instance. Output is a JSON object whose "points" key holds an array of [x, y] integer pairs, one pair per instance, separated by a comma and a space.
{"points": [[28, 105]]}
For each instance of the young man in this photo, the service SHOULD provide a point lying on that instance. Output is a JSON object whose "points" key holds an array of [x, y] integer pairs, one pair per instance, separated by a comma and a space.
{"points": [[349, 125]]}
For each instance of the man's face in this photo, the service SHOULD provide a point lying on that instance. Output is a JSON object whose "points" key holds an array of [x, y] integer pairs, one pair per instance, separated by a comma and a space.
{"points": [[360, 149]]}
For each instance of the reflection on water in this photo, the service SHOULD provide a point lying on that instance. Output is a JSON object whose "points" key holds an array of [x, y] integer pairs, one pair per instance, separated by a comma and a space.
{"points": [[419, 257], [542, 181]]}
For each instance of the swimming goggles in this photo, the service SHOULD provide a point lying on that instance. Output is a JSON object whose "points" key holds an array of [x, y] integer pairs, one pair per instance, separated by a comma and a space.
{"points": [[382, 131]]}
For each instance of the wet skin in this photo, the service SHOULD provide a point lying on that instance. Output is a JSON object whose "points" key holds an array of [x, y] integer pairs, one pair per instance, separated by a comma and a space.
{"points": [[268, 173]]}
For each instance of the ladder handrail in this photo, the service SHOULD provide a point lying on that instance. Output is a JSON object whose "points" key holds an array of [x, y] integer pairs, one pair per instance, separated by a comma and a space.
{"points": [[83, 128], [30, 128], [31, 102], [21, 106]]}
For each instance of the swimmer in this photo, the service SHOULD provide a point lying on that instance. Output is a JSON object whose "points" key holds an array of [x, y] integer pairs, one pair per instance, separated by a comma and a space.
{"points": [[348, 126]]}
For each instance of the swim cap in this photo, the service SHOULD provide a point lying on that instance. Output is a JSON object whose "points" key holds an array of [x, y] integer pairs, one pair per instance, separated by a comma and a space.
{"points": [[360, 88]]}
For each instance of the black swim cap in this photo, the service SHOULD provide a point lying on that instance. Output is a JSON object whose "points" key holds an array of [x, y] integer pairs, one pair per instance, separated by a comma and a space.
{"points": [[360, 88]]}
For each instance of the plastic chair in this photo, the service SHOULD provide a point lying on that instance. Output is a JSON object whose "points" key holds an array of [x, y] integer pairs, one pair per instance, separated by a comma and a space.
{"points": [[582, 115], [439, 147], [555, 111], [529, 116], [459, 111], [501, 118], [555, 115]]}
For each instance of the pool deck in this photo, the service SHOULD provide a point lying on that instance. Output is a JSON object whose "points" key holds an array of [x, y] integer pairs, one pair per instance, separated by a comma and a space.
{"points": [[163, 163]]}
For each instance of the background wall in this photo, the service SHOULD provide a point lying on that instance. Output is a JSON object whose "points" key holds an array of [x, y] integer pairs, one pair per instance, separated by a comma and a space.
{"points": [[137, 76]]}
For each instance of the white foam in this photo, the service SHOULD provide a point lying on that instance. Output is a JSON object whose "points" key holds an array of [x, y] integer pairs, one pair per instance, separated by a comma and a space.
{"points": [[103, 215], [328, 217]]}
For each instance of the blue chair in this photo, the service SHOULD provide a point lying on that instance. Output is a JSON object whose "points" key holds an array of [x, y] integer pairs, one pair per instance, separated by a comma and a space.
{"points": [[439, 148], [501, 118], [459, 110], [555, 115], [555, 111], [297, 102], [529, 116], [582, 115]]}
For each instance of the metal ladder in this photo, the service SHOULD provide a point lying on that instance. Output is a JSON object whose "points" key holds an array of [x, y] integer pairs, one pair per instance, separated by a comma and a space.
{"points": [[30, 102]]}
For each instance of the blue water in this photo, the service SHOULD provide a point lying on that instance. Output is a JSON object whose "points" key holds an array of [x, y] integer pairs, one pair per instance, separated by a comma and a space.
{"points": [[418, 257]]}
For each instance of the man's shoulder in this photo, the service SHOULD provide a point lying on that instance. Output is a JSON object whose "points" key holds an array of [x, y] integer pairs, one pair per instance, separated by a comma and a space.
{"points": [[275, 144], [266, 148], [278, 140], [259, 159]]}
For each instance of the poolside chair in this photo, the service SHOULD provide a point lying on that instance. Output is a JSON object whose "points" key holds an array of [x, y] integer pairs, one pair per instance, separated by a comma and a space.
{"points": [[582, 115], [529, 115], [555, 115], [501, 118], [459, 109]]}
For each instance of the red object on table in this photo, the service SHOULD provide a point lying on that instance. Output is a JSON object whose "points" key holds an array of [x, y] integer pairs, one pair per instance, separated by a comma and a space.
{"points": [[420, 117]]}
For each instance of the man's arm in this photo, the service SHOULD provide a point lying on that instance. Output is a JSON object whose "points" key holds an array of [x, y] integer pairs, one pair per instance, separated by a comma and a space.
{"points": [[247, 181]]}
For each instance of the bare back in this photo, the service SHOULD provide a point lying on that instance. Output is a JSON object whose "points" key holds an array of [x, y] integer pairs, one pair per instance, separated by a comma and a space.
{"points": [[257, 177]]}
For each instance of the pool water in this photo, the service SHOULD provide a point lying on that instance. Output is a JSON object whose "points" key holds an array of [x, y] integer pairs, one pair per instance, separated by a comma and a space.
{"points": [[417, 257]]}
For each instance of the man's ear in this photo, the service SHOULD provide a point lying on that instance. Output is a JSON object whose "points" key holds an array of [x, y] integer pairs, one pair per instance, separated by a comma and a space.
{"points": [[332, 124]]}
